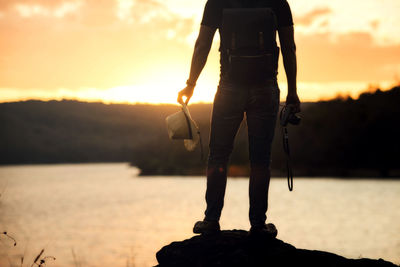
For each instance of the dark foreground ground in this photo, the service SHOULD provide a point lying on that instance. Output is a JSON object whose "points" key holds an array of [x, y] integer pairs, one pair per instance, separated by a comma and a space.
{"points": [[235, 248]]}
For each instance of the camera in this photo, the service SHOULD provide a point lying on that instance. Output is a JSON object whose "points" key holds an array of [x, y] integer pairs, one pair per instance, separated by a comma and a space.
{"points": [[289, 116]]}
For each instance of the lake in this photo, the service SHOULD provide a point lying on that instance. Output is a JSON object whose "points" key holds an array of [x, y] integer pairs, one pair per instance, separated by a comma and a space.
{"points": [[106, 215]]}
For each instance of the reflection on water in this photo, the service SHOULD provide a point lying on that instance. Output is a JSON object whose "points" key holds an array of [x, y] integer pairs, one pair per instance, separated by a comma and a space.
{"points": [[104, 215]]}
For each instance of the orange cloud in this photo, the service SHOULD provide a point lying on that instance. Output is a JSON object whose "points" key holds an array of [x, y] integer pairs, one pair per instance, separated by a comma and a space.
{"points": [[310, 17], [375, 24], [91, 47], [4, 5], [345, 57]]}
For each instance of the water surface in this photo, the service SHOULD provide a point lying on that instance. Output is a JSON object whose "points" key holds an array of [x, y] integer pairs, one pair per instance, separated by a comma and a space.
{"points": [[105, 215]]}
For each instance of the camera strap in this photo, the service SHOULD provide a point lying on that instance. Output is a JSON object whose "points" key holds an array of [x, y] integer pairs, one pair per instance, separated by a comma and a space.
{"points": [[287, 153]]}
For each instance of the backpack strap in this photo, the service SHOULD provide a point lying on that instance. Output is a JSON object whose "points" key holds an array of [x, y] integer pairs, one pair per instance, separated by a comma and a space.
{"points": [[261, 41], [260, 34], [233, 41], [246, 4]]}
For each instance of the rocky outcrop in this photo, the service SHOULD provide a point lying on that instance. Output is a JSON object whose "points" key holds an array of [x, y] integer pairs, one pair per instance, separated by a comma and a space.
{"points": [[235, 248]]}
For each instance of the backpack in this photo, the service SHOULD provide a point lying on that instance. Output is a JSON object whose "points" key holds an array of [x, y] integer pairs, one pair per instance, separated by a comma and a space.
{"points": [[248, 38]]}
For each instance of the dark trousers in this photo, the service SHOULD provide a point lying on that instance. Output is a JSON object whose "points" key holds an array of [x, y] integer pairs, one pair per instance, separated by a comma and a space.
{"points": [[260, 103]]}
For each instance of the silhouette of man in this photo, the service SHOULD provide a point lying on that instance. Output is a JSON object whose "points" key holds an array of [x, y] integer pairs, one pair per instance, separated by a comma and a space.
{"points": [[257, 98]]}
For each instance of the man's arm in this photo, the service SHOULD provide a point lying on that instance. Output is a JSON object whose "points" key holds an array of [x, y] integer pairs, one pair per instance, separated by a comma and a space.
{"points": [[199, 59], [288, 47]]}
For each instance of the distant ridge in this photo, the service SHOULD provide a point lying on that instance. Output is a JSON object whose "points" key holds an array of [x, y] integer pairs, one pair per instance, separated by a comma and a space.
{"points": [[341, 137]]}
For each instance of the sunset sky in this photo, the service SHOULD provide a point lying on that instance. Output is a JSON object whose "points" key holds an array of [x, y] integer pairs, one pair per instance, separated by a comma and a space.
{"points": [[140, 50]]}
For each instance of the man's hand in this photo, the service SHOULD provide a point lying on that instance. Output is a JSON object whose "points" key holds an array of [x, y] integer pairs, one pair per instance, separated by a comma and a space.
{"points": [[293, 100], [187, 92]]}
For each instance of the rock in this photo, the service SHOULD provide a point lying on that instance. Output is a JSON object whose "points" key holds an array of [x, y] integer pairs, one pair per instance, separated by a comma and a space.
{"points": [[235, 248]]}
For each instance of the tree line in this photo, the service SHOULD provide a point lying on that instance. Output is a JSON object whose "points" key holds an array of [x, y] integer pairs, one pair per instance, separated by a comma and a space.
{"points": [[340, 137]]}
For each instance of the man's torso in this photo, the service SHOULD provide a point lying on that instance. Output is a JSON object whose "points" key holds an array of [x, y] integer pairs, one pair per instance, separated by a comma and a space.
{"points": [[213, 15]]}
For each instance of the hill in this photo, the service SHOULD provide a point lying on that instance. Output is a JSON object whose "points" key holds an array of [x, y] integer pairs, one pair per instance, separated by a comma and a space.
{"points": [[341, 137]]}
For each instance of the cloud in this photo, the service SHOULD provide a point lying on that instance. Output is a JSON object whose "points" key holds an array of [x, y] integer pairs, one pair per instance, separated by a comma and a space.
{"points": [[8, 5], [351, 56], [98, 12], [310, 17], [90, 47], [374, 24], [89, 12]]}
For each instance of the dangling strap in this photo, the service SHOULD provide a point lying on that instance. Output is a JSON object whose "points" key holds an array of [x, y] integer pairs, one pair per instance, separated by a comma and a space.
{"points": [[287, 153]]}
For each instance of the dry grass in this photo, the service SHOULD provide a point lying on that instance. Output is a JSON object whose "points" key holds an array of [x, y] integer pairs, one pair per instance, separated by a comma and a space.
{"points": [[40, 260]]}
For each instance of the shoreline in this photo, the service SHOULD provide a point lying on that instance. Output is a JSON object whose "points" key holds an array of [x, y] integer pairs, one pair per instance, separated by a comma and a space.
{"points": [[234, 172]]}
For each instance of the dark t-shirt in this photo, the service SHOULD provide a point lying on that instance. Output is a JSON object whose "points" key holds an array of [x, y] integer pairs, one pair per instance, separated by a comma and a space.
{"points": [[212, 17]]}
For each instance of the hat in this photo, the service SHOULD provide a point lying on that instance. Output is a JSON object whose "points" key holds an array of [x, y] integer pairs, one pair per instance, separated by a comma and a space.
{"points": [[180, 125]]}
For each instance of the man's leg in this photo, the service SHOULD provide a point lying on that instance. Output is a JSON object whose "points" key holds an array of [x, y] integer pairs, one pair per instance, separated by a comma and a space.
{"points": [[258, 193], [261, 119], [228, 110]]}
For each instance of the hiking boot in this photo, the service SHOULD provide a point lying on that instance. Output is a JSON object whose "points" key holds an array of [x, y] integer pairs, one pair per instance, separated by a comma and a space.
{"points": [[206, 227], [264, 230]]}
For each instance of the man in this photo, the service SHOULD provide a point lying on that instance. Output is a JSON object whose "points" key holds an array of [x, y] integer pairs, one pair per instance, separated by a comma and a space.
{"points": [[259, 100]]}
